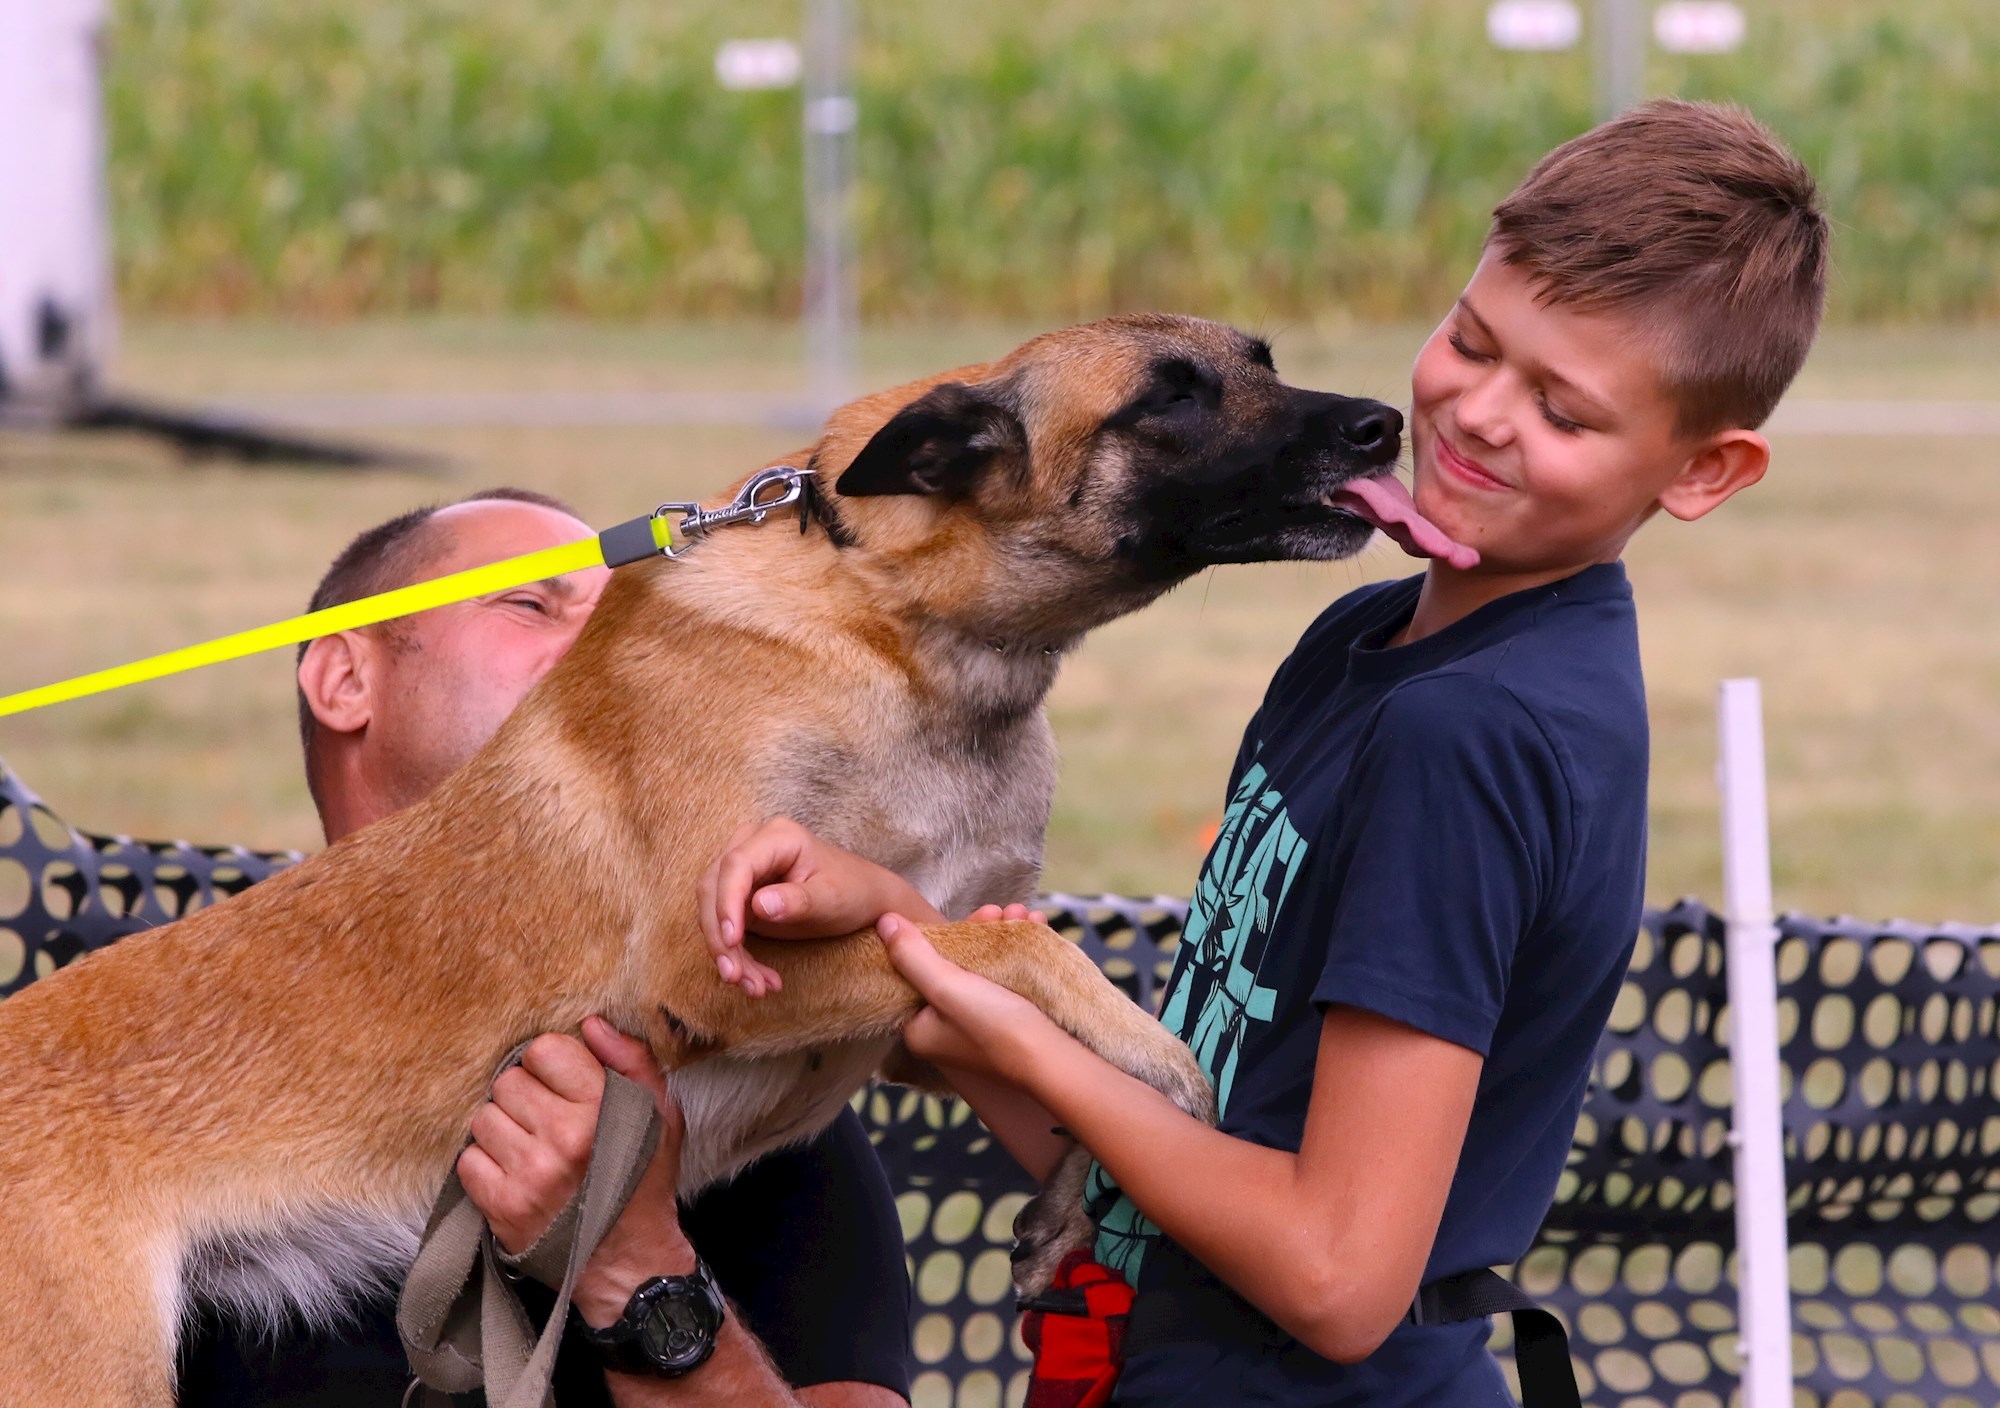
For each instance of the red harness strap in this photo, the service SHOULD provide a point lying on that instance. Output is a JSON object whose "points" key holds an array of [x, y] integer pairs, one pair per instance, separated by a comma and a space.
{"points": [[1076, 1331]]}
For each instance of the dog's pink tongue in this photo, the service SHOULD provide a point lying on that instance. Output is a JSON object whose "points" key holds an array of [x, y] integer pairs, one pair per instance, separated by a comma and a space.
{"points": [[1384, 502]]}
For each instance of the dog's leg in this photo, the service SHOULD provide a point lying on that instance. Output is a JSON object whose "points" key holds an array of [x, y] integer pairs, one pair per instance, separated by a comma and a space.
{"points": [[847, 987], [1052, 1224], [92, 1322]]}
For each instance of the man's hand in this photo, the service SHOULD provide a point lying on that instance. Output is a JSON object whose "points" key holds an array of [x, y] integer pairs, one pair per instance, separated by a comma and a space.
{"points": [[777, 879], [531, 1146]]}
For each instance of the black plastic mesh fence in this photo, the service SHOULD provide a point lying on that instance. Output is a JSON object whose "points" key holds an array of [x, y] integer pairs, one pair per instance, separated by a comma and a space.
{"points": [[64, 891], [1891, 1057]]}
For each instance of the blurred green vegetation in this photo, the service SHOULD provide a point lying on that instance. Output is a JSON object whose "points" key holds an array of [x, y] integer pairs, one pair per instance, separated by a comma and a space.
{"points": [[1265, 159]]}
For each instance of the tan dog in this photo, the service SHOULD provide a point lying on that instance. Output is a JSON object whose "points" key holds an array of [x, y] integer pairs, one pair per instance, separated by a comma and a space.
{"points": [[178, 1114]]}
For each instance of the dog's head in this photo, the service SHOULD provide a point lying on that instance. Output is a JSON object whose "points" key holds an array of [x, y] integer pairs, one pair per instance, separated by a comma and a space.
{"points": [[1094, 467]]}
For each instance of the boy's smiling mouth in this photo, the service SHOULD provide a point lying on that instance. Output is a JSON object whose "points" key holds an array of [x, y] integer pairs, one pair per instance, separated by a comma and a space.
{"points": [[1464, 467]]}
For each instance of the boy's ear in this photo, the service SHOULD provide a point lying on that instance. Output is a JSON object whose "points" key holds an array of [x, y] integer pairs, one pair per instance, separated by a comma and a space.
{"points": [[337, 675], [938, 444], [1726, 463]]}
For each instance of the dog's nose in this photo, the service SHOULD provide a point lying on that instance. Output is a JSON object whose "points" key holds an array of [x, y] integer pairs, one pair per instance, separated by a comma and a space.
{"points": [[1370, 426]]}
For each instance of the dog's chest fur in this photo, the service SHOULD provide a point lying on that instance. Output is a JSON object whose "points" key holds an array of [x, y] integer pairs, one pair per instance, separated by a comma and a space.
{"points": [[952, 793], [954, 800]]}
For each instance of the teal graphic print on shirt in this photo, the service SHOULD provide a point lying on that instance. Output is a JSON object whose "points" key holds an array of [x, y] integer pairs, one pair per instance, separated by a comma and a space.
{"points": [[1213, 996]]}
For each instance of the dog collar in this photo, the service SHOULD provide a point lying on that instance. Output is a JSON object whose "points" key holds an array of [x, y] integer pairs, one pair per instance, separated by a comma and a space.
{"points": [[668, 531]]}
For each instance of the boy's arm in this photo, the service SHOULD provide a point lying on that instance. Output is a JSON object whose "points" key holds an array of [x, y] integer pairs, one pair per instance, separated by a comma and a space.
{"points": [[1023, 1124], [1331, 1242]]}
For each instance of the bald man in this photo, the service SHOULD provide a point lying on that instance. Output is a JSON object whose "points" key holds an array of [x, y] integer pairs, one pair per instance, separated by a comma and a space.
{"points": [[805, 1245]]}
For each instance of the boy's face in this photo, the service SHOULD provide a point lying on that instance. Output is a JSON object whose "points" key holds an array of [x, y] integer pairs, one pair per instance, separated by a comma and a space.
{"points": [[1542, 436]]}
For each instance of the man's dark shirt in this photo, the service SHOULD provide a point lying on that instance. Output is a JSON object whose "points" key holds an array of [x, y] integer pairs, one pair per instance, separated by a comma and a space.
{"points": [[805, 1242]]}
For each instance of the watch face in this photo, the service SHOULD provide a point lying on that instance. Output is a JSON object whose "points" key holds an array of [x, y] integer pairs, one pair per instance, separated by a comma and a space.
{"points": [[676, 1329]]}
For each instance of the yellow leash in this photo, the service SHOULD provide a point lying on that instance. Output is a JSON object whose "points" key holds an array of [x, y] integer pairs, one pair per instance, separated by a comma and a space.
{"points": [[627, 542]]}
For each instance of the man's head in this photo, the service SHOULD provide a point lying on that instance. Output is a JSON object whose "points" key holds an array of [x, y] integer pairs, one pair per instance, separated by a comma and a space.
{"points": [[389, 711], [1645, 297]]}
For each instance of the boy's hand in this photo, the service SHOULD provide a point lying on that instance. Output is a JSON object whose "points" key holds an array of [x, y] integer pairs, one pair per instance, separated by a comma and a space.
{"points": [[969, 1023], [777, 879]]}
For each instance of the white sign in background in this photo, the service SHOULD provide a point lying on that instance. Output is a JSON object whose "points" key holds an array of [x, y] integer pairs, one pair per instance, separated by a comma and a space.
{"points": [[748, 64], [1680, 27], [1699, 27], [1534, 25]]}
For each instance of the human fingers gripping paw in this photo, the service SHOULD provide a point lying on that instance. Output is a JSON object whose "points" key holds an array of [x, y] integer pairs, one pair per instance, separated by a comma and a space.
{"points": [[708, 907], [780, 905], [993, 914], [727, 883], [932, 1037], [913, 955], [992, 1026], [771, 851], [942, 982]]}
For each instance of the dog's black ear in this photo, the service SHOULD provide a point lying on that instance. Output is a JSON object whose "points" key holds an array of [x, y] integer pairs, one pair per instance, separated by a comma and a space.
{"points": [[938, 444]]}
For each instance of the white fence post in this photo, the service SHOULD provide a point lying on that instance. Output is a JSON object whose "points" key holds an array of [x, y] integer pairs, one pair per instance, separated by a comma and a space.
{"points": [[1764, 1297], [831, 306], [55, 256], [1621, 56]]}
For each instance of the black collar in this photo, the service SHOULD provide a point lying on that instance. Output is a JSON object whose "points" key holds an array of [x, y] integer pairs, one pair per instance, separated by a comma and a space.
{"points": [[816, 506]]}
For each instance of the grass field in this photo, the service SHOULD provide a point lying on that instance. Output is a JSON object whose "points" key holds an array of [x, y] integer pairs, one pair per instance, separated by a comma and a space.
{"points": [[1039, 159], [1857, 583]]}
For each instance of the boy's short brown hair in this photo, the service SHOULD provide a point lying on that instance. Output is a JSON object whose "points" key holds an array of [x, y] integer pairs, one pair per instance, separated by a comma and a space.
{"points": [[1695, 222]]}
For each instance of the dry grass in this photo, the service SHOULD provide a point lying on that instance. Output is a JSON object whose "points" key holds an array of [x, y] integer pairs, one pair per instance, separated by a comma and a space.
{"points": [[1857, 583]]}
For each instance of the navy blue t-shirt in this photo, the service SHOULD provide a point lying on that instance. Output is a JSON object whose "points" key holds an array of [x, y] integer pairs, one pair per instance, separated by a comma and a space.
{"points": [[806, 1243], [1451, 834]]}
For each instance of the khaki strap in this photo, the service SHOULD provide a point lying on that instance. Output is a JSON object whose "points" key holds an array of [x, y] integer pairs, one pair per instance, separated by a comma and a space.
{"points": [[462, 1325]]}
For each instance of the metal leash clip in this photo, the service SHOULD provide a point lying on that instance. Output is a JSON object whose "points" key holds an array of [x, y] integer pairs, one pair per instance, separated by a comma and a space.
{"points": [[750, 505]]}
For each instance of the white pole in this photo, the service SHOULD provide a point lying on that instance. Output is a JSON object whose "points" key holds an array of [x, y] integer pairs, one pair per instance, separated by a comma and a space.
{"points": [[1621, 55], [56, 306], [830, 301], [1764, 1298]]}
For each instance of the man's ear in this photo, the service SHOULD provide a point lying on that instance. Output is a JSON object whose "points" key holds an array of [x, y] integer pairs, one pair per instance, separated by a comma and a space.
{"points": [[1727, 463], [938, 444], [337, 677]]}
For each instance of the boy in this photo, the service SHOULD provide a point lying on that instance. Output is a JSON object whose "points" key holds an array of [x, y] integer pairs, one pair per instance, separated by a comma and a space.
{"points": [[1408, 936]]}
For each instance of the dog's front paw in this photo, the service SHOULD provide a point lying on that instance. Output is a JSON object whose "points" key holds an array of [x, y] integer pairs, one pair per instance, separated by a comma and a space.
{"points": [[1051, 1225], [1171, 1068]]}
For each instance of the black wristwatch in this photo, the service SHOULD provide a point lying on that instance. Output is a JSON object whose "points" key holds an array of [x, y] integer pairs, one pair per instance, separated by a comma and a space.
{"points": [[668, 1328]]}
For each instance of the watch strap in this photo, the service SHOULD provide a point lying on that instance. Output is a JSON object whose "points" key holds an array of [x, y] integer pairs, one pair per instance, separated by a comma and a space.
{"points": [[669, 1327]]}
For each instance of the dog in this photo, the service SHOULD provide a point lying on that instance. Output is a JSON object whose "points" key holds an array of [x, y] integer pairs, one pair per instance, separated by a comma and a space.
{"points": [[258, 1103]]}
